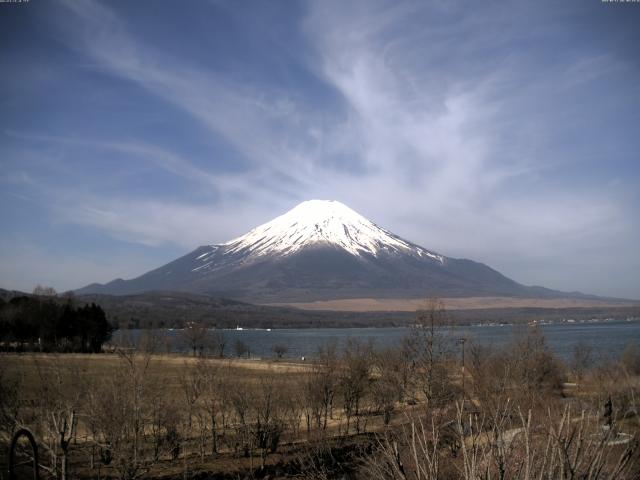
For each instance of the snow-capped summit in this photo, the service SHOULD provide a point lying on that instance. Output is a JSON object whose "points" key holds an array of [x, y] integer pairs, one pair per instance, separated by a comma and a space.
{"points": [[317, 222]]}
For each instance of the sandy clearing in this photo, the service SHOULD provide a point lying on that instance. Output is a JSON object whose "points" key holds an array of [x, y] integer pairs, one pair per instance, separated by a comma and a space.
{"points": [[469, 303]]}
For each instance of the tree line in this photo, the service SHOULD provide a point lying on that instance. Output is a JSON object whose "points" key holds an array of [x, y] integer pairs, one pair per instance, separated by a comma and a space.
{"points": [[47, 323]]}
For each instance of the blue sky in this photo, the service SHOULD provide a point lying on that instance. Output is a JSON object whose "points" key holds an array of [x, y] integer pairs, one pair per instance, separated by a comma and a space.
{"points": [[504, 132]]}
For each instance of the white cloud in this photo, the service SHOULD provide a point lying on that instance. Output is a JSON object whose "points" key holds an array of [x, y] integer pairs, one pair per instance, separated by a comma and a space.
{"points": [[153, 222]]}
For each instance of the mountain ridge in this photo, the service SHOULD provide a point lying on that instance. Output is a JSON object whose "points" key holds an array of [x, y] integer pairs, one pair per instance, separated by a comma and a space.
{"points": [[322, 250]]}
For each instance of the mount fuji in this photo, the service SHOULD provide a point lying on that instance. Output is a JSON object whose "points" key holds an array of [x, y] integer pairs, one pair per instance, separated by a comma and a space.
{"points": [[321, 250]]}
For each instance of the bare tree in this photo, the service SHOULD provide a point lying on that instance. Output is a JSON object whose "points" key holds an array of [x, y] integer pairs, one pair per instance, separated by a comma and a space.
{"points": [[354, 380], [534, 369], [59, 399], [431, 349], [193, 383], [163, 422], [280, 350], [196, 338], [491, 374], [44, 291], [150, 341], [581, 359], [320, 387], [219, 343], [216, 402], [391, 380], [241, 348], [271, 408], [120, 405], [240, 398]]}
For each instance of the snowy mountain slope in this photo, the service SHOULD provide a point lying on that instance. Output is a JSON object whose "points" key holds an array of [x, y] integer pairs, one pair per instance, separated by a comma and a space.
{"points": [[321, 250], [318, 221]]}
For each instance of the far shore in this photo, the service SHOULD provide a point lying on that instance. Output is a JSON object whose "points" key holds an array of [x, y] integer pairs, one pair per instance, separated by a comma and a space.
{"points": [[468, 303]]}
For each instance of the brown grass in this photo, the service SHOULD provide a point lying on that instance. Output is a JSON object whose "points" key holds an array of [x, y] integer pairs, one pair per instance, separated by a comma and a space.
{"points": [[166, 369], [469, 303]]}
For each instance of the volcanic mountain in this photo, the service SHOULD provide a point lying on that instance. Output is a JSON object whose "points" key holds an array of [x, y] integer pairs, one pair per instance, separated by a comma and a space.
{"points": [[322, 250]]}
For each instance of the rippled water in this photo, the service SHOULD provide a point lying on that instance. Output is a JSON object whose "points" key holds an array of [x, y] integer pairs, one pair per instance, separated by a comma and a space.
{"points": [[608, 339]]}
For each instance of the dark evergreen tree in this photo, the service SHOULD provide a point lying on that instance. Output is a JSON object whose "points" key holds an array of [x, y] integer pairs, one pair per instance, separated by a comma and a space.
{"points": [[43, 323]]}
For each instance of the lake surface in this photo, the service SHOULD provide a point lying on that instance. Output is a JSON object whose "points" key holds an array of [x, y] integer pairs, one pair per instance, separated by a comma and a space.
{"points": [[607, 338]]}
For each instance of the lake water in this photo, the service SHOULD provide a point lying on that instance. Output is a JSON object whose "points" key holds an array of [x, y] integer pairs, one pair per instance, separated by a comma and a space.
{"points": [[607, 338]]}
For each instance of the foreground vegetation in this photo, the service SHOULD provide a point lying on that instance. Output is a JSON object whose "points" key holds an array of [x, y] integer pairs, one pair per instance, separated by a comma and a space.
{"points": [[412, 412]]}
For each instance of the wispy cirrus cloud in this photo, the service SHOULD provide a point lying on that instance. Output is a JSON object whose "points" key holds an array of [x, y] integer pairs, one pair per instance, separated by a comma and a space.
{"points": [[467, 130], [265, 124]]}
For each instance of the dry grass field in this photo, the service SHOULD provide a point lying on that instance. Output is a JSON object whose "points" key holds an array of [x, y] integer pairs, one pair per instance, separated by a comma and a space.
{"points": [[165, 370], [470, 303]]}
